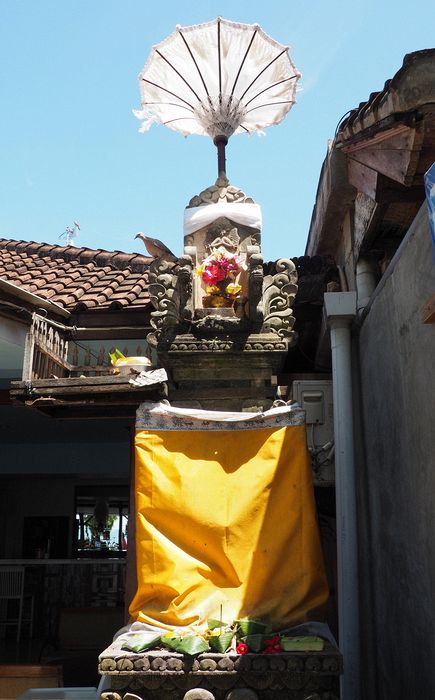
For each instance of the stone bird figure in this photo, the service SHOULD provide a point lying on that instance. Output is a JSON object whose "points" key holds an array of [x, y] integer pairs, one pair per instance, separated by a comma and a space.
{"points": [[156, 248]]}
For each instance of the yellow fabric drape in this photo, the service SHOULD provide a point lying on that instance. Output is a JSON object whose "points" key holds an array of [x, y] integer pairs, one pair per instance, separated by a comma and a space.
{"points": [[226, 518]]}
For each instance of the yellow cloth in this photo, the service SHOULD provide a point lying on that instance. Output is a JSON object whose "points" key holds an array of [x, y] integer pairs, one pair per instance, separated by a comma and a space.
{"points": [[226, 517]]}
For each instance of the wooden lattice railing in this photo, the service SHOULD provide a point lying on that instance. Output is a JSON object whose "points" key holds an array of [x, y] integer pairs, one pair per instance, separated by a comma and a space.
{"points": [[45, 352], [48, 354]]}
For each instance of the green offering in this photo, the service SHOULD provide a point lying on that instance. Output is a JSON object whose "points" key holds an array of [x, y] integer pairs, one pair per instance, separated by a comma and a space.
{"points": [[248, 627], [255, 642], [186, 645], [141, 642], [221, 642], [302, 643], [213, 624], [116, 355]]}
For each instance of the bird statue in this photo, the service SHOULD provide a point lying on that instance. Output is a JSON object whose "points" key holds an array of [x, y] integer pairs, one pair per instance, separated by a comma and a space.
{"points": [[156, 248]]}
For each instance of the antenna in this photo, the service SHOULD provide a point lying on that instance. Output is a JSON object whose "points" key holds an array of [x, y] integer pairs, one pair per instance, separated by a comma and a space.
{"points": [[70, 233]]}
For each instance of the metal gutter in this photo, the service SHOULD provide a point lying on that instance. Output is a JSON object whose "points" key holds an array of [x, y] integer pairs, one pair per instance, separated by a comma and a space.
{"points": [[33, 299]]}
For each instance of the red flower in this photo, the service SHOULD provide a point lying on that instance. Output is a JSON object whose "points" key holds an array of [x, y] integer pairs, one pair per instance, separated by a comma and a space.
{"points": [[242, 648], [272, 645], [213, 273], [218, 267]]}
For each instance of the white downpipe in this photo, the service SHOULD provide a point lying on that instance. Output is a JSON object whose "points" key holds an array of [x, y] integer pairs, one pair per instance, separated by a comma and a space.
{"points": [[365, 282], [340, 309]]}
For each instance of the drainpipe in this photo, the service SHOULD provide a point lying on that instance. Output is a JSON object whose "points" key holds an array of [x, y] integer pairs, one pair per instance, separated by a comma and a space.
{"points": [[365, 282], [340, 310]]}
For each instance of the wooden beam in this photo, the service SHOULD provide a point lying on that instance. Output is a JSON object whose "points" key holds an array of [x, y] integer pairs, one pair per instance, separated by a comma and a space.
{"points": [[363, 178], [80, 391], [364, 215], [393, 153], [111, 381], [428, 310]]}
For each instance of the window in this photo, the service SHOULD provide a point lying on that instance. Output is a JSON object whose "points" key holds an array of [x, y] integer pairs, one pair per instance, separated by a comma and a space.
{"points": [[101, 521]]}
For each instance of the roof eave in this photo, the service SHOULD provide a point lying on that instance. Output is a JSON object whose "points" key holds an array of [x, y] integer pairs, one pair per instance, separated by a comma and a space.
{"points": [[404, 100], [33, 299]]}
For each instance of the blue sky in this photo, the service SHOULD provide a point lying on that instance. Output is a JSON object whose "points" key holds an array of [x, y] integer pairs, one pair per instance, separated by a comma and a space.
{"points": [[70, 147]]}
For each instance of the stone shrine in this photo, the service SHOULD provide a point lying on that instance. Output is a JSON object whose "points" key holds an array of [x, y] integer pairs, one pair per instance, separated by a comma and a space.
{"points": [[207, 336]]}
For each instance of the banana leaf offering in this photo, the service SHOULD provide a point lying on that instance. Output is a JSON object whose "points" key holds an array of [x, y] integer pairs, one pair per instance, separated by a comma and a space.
{"points": [[213, 624], [241, 636], [248, 627], [255, 642], [141, 642], [191, 645], [221, 642], [302, 643]]}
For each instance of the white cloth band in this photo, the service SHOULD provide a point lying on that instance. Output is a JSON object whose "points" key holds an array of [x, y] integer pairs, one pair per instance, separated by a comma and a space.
{"points": [[246, 214]]}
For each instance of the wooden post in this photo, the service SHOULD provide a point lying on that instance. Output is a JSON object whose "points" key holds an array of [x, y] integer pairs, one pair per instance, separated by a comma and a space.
{"points": [[220, 142], [131, 569], [29, 350]]}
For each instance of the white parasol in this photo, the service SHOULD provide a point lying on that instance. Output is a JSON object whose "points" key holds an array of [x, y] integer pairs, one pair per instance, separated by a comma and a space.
{"points": [[217, 79]]}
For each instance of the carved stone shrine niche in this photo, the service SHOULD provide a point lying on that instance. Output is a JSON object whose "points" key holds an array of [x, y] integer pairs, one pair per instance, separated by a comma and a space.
{"points": [[220, 300]]}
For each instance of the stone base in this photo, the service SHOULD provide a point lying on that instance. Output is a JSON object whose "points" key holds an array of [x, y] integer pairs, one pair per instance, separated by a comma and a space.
{"points": [[224, 311], [164, 675]]}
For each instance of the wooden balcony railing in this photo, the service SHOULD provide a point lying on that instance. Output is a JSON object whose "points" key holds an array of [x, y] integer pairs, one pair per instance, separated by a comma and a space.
{"points": [[50, 353]]}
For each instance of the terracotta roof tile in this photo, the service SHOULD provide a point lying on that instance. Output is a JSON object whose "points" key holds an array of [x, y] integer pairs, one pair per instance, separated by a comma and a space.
{"points": [[77, 278]]}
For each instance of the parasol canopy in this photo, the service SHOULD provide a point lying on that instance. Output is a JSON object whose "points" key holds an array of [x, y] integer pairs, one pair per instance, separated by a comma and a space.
{"points": [[217, 79]]}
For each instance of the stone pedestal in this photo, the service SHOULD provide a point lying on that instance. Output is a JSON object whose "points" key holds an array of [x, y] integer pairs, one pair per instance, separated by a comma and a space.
{"points": [[229, 371], [164, 675]]}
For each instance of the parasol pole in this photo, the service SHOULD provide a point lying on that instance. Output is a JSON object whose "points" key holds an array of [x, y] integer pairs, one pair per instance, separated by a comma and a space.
{"points": [[220, 142]]}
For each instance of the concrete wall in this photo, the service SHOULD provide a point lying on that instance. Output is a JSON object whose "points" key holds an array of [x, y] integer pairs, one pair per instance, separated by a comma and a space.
{"points": [[397, 362], [12, 339]]}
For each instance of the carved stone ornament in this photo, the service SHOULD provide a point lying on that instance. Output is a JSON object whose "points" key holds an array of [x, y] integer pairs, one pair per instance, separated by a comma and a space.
{"points": [[255, 298], [165, 675], [170, 290], [279, 291], [222, 234], [221, 191], [265, 323], [254, 343]]}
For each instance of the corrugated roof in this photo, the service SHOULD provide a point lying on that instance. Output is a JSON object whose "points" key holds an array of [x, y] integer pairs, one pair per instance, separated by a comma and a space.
{"points": [[78, 279]]}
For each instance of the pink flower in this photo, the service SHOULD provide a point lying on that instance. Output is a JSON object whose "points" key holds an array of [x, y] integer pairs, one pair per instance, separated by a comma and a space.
{"points": [[242, 648]]}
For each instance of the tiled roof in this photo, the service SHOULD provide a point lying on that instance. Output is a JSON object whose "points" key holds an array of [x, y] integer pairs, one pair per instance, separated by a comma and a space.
{"points": [[410, 88], [78, 279]]}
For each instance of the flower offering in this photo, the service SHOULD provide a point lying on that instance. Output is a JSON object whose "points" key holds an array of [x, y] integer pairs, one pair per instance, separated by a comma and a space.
{"points": [[219, 272]]}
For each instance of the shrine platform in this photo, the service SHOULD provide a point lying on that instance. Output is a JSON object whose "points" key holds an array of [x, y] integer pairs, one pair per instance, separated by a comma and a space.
{"points": [[169, 675]]}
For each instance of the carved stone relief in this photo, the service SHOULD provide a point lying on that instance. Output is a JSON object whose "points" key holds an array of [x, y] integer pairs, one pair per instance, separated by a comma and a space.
{"points": [[170, 290], [279, 291], [222, 236], [221, 191]]}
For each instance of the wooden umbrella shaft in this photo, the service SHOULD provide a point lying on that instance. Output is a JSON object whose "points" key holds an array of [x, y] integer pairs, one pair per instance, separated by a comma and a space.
{"points": [[220, 142]]}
